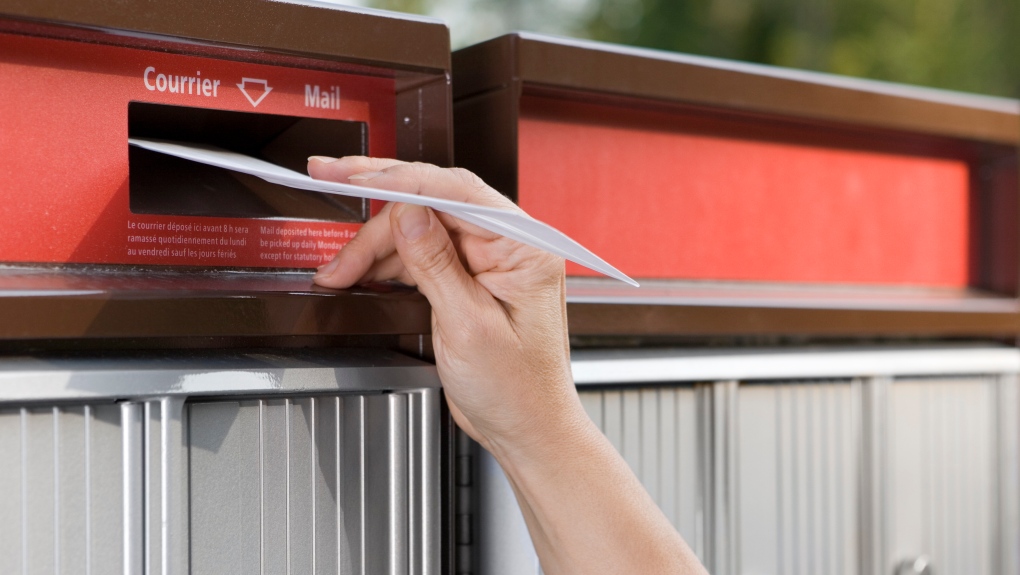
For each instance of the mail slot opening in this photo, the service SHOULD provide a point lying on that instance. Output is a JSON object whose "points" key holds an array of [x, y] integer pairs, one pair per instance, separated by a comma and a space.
{"points": [[165, 185]]}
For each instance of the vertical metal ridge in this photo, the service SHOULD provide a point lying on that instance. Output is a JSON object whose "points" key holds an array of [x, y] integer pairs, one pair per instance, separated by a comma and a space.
{"points": [[874, 414], [1007, 436], [173, 476], [781, 456], [134, 495], [340, 516], [397, 424], [415, 483], [795, 487], [87, 411], [55, 415], [261, 405], [720, 484], [147, 440], [704, 522], [24, 490], [286, 433], [362, 517], [431, 488], [340, 489], [313, 464]]}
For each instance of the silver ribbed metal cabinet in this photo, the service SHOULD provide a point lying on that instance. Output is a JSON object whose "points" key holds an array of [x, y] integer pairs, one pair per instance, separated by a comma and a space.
{"points": [[324, 463], [799, 477], [843, 461]]}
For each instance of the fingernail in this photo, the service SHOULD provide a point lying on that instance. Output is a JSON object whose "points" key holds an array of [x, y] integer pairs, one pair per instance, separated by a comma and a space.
{"points": [[327, 269], [364, 176], [323, 159], [413, 220]]}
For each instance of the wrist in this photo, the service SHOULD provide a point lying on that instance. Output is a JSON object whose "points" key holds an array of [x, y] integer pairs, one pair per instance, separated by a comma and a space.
{"points": [[557, 430]]}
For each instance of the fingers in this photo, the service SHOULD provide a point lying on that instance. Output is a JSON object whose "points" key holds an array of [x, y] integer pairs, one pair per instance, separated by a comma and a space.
{"points": [[372, 243], [339, 170], [428, 180], [451, 184], [431, 260]]}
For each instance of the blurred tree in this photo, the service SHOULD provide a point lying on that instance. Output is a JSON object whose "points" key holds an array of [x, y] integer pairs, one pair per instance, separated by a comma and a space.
{"points": [[969, 45]]}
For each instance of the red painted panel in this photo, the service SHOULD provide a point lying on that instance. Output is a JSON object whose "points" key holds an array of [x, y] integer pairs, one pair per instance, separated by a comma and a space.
{"points": [[64, 156], [659, 201]]}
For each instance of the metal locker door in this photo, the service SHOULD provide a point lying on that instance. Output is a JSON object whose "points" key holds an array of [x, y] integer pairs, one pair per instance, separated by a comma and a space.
{"points": [[67, 500], [798, 447], [320, 484], [656, 429], [945, 473]]}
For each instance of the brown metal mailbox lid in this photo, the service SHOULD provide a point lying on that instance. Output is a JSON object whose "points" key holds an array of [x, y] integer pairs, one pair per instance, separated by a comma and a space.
{"points": [[306, 28], [524, 59], [79, 303]]}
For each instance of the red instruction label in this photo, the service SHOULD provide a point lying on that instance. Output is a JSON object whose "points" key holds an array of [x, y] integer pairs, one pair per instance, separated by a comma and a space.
{"points": [[64, 154]]}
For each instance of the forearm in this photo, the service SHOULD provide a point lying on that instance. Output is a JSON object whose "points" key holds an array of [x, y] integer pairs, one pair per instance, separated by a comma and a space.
{"points": [[585, 509]]}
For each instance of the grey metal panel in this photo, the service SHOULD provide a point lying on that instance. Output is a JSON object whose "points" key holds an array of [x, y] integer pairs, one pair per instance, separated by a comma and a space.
{"points": [[612, 418], [504, 543], [592, 403], [326, 469], [717, 445], [631, 439], [431, 485], [648, 427], [690, 512], [130, 488], [28, 379], [1008, 473], [798, 478], [668, 472], [274, 446], [377, 487], [655, 428], [166, 491], [11, 499], [874, 394], [398, 483], [941, 477], [352, 488], [656, 431], [225, 480], [318, 484], [645, 366], [300, 508], [40, 465], [60, 490], [71, 518]]}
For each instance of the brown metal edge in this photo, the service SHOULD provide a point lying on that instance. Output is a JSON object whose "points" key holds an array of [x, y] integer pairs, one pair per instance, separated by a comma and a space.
{"points": [[335, 33], [485, 66], [595, 319], [175, 314], [548, 62], [424, 122], [486, 109]]}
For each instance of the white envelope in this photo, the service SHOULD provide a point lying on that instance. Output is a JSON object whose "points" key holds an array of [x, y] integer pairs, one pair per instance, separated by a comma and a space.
{"points": [[515, 226]]}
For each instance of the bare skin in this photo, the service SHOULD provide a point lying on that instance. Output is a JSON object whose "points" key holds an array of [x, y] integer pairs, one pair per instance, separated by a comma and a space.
{"points": [[500, 338]]}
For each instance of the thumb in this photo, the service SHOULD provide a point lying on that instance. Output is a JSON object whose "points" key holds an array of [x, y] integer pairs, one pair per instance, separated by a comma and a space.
{"points": [[430, 258]]}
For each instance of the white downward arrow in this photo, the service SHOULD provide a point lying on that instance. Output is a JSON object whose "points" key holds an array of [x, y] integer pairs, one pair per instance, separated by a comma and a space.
{"points": [[249, 81]]}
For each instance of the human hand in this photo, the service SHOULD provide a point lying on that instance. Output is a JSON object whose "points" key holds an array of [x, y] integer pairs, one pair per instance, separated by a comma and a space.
{"points": [[499, 327]]}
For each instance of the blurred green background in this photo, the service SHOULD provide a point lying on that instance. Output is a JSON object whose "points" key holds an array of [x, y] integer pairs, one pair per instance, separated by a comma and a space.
{"points": [[968, 45]]}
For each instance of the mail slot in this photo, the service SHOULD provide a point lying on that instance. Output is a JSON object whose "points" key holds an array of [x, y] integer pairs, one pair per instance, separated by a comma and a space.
{"points": [[176, 396], [163, 185], [81, 93]]}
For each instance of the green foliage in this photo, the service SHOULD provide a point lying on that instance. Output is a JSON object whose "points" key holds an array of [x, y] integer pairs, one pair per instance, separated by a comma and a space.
{"points": [[969, 45]]}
